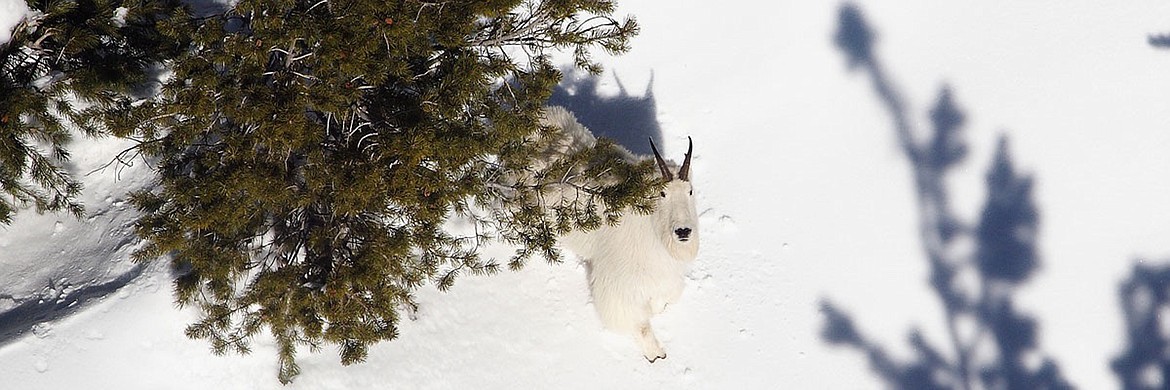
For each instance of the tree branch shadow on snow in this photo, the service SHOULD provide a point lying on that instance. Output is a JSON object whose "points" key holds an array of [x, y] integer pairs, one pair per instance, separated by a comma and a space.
{"points": [[628, 120], [976, 287], [1161, 41], [16, 322], [1145, 297]]}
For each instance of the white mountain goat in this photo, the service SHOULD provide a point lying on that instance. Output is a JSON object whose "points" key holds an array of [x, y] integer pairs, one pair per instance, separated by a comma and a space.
{"points": [[637, 267]]}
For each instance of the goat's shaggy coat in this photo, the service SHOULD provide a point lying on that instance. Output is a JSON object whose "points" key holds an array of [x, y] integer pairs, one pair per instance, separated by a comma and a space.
{"points": [[636, 267]]}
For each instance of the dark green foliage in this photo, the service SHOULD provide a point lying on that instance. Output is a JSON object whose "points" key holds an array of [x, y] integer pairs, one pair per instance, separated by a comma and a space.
{"points": [[310, 152], [64, 64]]}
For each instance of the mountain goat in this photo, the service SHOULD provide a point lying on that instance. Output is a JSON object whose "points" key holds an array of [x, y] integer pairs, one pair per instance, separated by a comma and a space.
{"points": [[636, 267]]}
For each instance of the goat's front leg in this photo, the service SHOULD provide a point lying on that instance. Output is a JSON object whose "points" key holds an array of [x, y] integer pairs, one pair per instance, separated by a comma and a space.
{"points": [[651, 349]]}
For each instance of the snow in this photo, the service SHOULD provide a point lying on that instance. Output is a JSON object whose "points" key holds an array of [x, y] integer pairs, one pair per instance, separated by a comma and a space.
{"points": [[11, 12], [803, 192]]}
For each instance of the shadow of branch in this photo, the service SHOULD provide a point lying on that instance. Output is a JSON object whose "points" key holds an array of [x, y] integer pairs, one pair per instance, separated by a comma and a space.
{"points": [[1004, 257], [922, 373], [1161, 41], [1144, 297]]}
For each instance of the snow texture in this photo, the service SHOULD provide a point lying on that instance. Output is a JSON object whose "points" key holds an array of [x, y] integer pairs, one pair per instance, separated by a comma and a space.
{"points": [[11, 13], [802, 192]]}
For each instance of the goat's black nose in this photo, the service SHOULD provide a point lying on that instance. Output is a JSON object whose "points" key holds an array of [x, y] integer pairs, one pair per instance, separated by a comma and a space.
{"points": [[683, 233]]}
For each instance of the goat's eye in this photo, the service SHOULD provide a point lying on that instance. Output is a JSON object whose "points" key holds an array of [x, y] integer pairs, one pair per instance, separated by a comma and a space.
{"points": [[663, 193]]}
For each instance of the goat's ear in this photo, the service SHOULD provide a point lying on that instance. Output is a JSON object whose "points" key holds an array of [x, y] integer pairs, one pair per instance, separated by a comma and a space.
{"points": [[661, 163], [684, 173]]}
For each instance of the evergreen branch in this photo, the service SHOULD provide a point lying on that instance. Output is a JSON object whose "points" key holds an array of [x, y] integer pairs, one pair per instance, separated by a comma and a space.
{"points": [[36, 45], [133, 152], [251, 183], [523, 34], [315, 5], [425, 4]]}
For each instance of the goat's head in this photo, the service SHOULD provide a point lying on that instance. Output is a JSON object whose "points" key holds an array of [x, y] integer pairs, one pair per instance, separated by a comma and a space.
{"points": [[674, 214]]}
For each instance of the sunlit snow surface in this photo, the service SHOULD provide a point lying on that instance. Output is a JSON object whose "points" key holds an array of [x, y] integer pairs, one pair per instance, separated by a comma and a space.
{"points": [[804, 196], [11, 13]]}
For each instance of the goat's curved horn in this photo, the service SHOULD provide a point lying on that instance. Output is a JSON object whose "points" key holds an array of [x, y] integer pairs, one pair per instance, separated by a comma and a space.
{"points": [[661, 163], [684, 173]]}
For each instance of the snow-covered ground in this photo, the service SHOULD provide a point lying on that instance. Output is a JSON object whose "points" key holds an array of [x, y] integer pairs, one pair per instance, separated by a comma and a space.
{"points": [[11, 12], [804, 194]]}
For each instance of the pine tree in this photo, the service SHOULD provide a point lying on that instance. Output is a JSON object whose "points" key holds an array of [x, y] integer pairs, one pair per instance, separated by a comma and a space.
{"points": [[66, 63], [309, 153]]}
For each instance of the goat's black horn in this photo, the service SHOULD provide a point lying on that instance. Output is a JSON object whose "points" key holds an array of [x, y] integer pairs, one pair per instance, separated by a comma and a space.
{"points": [[661, 163], [684, 173]]}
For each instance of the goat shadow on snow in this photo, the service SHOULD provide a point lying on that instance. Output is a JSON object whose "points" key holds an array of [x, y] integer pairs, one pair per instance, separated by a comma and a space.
{"points": [[626, 119]]}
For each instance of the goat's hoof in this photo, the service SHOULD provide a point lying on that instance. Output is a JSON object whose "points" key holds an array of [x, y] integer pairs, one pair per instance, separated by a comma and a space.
{"points": [[653, 359]]}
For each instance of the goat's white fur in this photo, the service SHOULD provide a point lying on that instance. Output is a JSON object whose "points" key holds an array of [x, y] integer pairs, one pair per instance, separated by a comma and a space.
{"points": [[637, 267]]}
